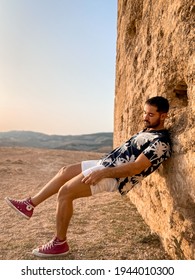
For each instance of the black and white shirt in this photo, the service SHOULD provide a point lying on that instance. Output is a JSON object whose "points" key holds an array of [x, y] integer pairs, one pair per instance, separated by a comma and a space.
{"points": [[155, 145]]}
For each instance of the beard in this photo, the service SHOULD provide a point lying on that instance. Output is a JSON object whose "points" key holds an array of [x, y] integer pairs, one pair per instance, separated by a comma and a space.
{"points": [[148, 124]]}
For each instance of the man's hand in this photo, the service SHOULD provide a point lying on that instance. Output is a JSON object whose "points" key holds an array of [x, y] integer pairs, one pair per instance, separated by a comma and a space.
{"points": [[94, 177], [124, 170]]}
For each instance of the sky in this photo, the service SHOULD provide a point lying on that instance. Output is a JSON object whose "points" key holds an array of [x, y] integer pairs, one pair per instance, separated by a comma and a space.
{"points": [[57, 65]]}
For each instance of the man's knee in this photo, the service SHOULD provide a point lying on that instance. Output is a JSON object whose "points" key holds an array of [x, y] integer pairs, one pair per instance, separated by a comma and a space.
{"points": [[62, 193], [63, 170], [65, 173], [70, 170], [65, 193]]}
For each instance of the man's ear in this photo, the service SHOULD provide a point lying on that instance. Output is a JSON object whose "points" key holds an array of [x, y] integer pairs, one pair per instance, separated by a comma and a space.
{"points": [[163, 116]]}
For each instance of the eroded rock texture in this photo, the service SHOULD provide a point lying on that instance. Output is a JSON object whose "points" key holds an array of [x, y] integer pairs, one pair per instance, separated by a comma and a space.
{"points": [[155, 56]]}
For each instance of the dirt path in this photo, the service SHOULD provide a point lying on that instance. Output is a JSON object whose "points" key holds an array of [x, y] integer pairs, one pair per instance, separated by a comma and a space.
{"points": [[103, 227]]}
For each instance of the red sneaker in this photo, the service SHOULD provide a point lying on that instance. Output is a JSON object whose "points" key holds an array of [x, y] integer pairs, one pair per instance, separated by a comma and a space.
{"points": [[23, 207], [53, 248]]}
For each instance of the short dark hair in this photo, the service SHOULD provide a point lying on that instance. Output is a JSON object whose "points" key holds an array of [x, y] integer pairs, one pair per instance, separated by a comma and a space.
{"points": [[160, 102]]}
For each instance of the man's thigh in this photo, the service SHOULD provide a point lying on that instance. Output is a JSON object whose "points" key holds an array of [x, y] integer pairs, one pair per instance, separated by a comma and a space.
{"points": [[75, 188]]}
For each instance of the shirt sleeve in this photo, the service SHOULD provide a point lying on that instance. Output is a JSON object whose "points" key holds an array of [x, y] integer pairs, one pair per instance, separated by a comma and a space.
{"points": [[157, 151]]}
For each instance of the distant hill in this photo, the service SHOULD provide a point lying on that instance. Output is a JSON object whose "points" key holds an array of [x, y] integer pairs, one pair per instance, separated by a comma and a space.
{"points": [[98, 142]]}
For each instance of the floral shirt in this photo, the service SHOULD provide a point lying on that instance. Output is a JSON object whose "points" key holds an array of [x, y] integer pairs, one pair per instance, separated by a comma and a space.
{"points": [[155, 145]]}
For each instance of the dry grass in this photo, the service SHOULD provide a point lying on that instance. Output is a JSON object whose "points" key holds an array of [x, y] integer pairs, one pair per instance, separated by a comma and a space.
{"points": [[103, 227]]}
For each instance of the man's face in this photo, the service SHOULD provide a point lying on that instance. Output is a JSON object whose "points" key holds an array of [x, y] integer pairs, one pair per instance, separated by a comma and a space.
{"points": [[152, 118]]}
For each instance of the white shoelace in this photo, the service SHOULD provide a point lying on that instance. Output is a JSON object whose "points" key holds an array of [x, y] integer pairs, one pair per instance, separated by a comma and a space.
{"points": [[48, 245], [51, 244]]}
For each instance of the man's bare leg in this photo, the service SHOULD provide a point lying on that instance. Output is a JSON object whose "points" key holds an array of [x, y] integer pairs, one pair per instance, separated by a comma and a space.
{"points": [[52, 187], [73, 189], [26, 206]]}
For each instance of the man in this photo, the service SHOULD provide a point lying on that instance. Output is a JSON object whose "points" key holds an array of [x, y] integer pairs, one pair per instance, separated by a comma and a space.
{"points": [[120, 170]]}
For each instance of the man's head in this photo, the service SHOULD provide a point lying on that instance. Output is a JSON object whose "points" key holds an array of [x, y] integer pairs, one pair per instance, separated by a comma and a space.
{"points": [[155, 112]]}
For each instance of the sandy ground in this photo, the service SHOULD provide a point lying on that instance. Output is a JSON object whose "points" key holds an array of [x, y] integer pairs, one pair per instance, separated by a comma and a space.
{"points": [[103, 227]]}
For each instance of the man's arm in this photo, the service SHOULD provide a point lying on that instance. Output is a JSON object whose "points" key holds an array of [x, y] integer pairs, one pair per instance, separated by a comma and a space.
{"points": [[121, 171]]}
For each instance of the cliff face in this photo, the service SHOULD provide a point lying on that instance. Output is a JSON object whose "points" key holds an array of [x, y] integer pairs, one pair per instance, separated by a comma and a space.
{"points": [[155, 56]]}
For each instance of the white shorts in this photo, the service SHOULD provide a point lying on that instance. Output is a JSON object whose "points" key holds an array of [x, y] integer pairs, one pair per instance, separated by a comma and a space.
{"points": [[105, 185]]}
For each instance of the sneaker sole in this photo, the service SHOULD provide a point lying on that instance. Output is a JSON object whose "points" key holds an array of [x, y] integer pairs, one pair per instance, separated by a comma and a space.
{"points": [[41, 255], [14, 208]]}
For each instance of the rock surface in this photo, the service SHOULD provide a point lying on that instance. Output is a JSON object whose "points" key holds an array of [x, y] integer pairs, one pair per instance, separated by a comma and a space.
{"points": [[155, 56]]}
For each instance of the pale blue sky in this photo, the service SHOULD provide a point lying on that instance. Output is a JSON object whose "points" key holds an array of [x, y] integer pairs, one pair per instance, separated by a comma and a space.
{"points": [[57, 65]]}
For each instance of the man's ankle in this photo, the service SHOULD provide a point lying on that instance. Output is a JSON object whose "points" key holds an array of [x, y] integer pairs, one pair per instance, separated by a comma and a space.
{"points": [[31, 202], [57, 239]]}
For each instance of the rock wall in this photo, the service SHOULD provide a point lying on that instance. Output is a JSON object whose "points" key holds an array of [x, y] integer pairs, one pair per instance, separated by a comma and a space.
{"points": [[155, 56]]}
